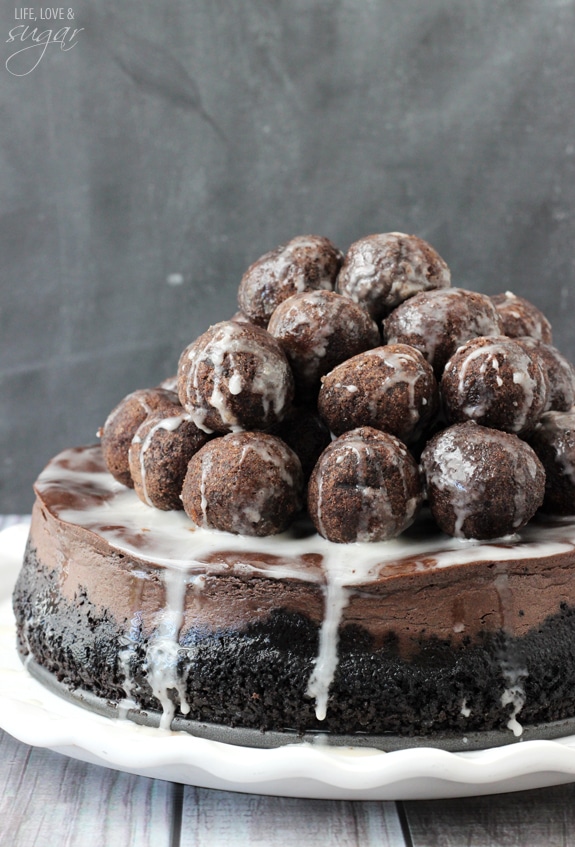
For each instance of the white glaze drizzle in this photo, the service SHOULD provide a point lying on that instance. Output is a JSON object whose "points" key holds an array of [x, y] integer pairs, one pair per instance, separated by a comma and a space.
{"points": [[514, 694], [171, 425], [340, 576], [205, 469], [362, 278], [319, 515], [405, 371], [124, 658], [453, 474], [336, 598], [26, 639], [163, 648], [513, 673]]}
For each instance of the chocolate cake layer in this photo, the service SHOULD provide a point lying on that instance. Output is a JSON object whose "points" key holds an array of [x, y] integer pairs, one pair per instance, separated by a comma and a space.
{"points": [[417, 636]]}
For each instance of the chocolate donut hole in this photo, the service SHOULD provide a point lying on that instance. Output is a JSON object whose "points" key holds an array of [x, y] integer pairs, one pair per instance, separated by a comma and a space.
{"points": [[247, 483], [306, 263], [519, 317], [122, 423], [553, 439], [159, 454], [560, 372], [381, 271], [496, 382], [481, 483], [438, 322], [317, 331], [234, 377], [365, 487], [391, 388]]}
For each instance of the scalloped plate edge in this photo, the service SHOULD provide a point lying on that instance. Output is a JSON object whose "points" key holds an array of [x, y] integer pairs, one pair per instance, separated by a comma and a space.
{"points": [[36, 716]]}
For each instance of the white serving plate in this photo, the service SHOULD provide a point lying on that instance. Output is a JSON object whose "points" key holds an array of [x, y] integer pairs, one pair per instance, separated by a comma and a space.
{"points": [[36, 716]]}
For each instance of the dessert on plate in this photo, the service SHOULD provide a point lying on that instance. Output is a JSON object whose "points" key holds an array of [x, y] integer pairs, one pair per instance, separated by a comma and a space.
{"points": [[349, 515]]}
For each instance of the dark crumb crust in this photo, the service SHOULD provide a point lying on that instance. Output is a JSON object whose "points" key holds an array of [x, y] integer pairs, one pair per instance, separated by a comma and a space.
{"points": [[257, 678]]}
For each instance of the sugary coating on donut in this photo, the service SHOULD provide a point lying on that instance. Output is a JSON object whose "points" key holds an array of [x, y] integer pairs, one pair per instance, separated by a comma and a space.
{"points": [[481, 483], [170, 383], [520, 317], [496, 382], [303, 430], [248, 483], [438, 322], [365, 487], [317, 330], [122, 423], [159, 454], [553, 439], [381, 271], [240, 317], [233, 377], [306, 263], [391, 388], [560, 372]]}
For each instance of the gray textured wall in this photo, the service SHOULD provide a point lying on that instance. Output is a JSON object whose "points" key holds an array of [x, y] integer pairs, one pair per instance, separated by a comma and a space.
{"points": [[176, 142]]}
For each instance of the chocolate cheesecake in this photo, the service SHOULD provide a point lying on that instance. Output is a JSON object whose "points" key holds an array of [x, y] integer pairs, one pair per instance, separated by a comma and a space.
{"points": [[354, 520], [424, 635]]}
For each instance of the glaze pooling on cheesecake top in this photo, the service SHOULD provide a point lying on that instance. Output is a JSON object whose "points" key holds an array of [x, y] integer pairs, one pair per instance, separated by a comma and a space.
{"points": [[78, 489]]}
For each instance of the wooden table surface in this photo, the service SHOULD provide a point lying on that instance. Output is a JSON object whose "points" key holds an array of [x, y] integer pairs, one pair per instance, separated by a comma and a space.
{"points": [[48, 799]]}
